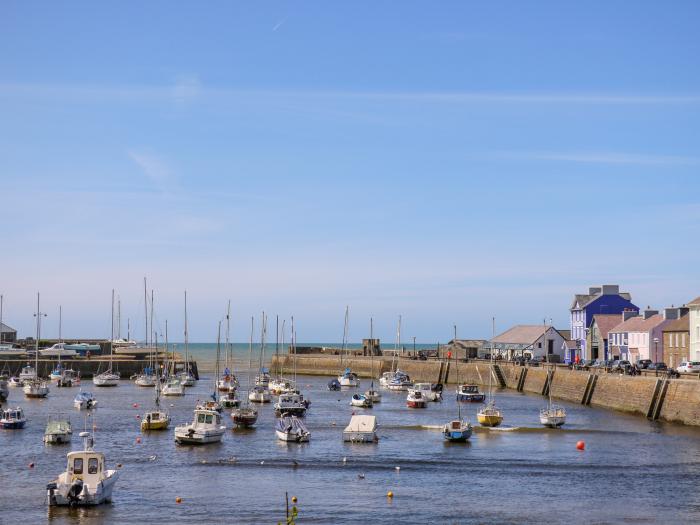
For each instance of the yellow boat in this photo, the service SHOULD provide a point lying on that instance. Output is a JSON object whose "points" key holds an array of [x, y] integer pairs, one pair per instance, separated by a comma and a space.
{"points": [[155, 420], [489, 416]]}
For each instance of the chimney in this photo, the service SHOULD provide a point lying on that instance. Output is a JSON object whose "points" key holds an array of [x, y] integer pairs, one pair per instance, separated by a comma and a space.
{"points": [[611, 289], [649, 313], [628, 314], [672, 313], [594, 290]]}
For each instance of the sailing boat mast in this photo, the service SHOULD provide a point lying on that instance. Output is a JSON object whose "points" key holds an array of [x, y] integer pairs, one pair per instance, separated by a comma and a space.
{"points": [[187, 364], [263, 330], [294, 350], [345, 337], [277, 341], [250, 356], [111, 340], [38, 336], [218, 357], [371, 350], [493, 335], [228, 331], [150, 353]]}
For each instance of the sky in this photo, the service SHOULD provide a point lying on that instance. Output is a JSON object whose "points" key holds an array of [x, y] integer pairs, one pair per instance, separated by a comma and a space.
{"points": [[447, 162]]}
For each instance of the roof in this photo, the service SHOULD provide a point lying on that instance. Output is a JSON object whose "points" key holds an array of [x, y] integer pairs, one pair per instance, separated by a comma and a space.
{"points": [[583, 299], [606, 322], [678, 325], [4, 328], [639, 324], [468, 343], [566, 334], [570, 344], [522, 334], [694, 302]]}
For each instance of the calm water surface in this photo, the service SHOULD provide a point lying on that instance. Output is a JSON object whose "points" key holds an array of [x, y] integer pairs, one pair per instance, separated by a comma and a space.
{"points": [[632, 470]]}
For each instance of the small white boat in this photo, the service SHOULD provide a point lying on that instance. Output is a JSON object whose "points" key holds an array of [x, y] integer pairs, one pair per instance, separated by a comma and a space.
{"points": [[15, 381], [36, 388], [205, 428], [145, 379], [227, 383], [84, 401], [361, 429], [553, 416], [86, 481], [292, 429], [259, 394], [58, 432], [292, 403], [123, 343], [229, 400], [186, 379], [278, 386], [374, 395], [173, 387], [82, 348], [429, 391], [56, 373], [57, 350], [27, 373], [107, 378], [263, 379], [415, 399], [361, 401], [210, 404], [348, 378], [12, 418], [68, 378]]}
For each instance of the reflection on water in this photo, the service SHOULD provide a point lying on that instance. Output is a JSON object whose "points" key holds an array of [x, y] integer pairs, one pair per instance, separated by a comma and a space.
{"points": [[519, 473]]}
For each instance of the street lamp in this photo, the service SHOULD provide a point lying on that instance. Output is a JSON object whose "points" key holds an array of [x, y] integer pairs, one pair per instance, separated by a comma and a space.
{"points": [[656, 349]]}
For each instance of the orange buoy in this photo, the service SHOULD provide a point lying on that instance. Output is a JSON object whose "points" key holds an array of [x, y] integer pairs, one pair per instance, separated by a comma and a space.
{"points": [[294, 499], [389, 494], [178, 500], [581, 445]]}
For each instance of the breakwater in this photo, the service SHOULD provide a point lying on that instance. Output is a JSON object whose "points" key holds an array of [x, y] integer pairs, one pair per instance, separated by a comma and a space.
{"points": [[676, 400]]}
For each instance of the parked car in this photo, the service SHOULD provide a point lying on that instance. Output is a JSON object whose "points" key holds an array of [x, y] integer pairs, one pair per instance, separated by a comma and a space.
{"points": [[620, 365], [657, 366], [688, 367], [643, 363], [587, 363]]}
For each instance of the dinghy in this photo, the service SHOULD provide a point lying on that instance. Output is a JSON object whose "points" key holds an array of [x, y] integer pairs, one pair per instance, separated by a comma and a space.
{"points": [[361, 401], [84, 401], [361, 429], [292, 429]]}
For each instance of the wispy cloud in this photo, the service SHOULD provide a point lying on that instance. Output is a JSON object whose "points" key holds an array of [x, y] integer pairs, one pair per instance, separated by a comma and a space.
{"points": [[153, 168], [188, 87], [279, 24]]}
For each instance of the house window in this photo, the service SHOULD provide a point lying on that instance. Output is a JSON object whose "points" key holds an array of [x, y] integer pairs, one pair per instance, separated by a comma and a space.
{"points": [[683, 339], [539, 345]]}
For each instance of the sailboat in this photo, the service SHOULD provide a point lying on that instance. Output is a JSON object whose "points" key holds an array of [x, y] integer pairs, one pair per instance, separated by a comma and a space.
{"points": [[260, 392], [396, 380], [552, 416], [458, 430], [62, 376], [374, 395], [490, 415], [292, 402], [213, 403], [279, 385], [186, 377], [347, 377], [145, 378], [228, 382], [108, 377], [157, 419], [246, 416], [172, 386], [36, 387]]}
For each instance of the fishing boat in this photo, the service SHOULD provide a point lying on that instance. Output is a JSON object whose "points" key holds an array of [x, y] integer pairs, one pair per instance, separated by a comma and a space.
{"points": [[374, 395], [415, 399], [12, 418], [361, 401], [86, 480], [470, 393], [186, 377], [361, 429], [246, 416], [68, 378], [431, 392], [58, 431], [108, 377], [291, 403], [334, 385], [85, 401], [28, 372], [490, 415], [292, 430], [205, 428]]}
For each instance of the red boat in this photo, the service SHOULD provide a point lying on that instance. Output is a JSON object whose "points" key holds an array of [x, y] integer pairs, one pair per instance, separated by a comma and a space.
{"points": [[416, 400]]}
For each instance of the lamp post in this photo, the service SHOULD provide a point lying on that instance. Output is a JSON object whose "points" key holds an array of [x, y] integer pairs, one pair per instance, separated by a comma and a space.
{"points": [[656, 350]]}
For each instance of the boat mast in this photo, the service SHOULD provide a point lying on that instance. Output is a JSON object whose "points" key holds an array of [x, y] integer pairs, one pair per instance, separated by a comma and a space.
{"points": [[294, 350], [371, 351], [263, 329], [38, 336], [228, 331], [345, 337], [187, 367], [277, 342], [60, 350], [150, 351], [493, 335], [250, 355], [218, 357], [119, 317], [145, 311], [111, 340]]}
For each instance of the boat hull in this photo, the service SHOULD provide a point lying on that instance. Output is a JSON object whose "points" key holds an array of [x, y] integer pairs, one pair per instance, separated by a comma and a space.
{"points": [[12, 425], [292, 411], [471, 398], [360, 437], [291, 437], [552, 418], [57, 439], [184, 436], [457, 436], [489, 420], [155, 425], [57, 494], [245, 421]]}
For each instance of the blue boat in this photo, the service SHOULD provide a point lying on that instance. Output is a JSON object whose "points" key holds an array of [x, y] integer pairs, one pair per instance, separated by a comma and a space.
{"points": [[333, 385], [13, 418]]}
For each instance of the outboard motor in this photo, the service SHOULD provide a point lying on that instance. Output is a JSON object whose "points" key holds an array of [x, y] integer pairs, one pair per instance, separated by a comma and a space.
{"points": [[74, 492]]}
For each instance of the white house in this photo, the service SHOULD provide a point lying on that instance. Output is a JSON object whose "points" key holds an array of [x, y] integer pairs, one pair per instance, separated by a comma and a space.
{"points": [[530, 341], [694, 322]]}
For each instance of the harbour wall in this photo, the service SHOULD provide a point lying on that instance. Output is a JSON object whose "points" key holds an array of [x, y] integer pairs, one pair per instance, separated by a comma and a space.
{"points": [[676, 400]]}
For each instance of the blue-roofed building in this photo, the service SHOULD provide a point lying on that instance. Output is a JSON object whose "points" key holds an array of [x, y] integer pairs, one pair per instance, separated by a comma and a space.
{"points": [[604, 299]]}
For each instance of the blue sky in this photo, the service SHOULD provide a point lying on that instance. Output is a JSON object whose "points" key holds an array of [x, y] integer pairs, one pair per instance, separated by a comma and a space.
{"points": [[447, 162]]}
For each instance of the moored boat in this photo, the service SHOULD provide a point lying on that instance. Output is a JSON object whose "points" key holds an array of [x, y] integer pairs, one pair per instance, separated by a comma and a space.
{"points": [[349, 378], [489, 416], [553, 416], [291, 403], [173, 387], [12, 418], [415, 399], [27, 373], [86, 481], [36, 388], [361, 429], [457, 430], [292, 429], [85, 401], [361, 401], [334, 385], [259, 394], [57, 350], [431, 392], [58, 431], [470, 393], [205, 428]]}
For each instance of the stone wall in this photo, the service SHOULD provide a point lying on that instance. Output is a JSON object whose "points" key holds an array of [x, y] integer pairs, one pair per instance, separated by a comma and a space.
{"points": [[569, 385], [624, 393], [682, 402]]}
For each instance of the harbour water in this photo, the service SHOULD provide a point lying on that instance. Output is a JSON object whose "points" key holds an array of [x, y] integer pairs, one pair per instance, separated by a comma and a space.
{"points": [[632, 470]]}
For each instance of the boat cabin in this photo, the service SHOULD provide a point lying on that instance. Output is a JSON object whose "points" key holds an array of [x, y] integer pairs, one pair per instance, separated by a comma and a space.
{"points": [[207, 417], [12, 414], [85, 465], [469, 389]]}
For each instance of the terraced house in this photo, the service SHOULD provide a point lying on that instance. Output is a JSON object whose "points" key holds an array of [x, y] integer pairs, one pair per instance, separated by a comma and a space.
{"points": [[694, 328], [604, 299], [677, 341]]}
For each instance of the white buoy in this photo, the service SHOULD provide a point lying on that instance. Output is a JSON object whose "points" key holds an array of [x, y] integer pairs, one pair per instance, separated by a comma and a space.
{"points": [[398, 469]]}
